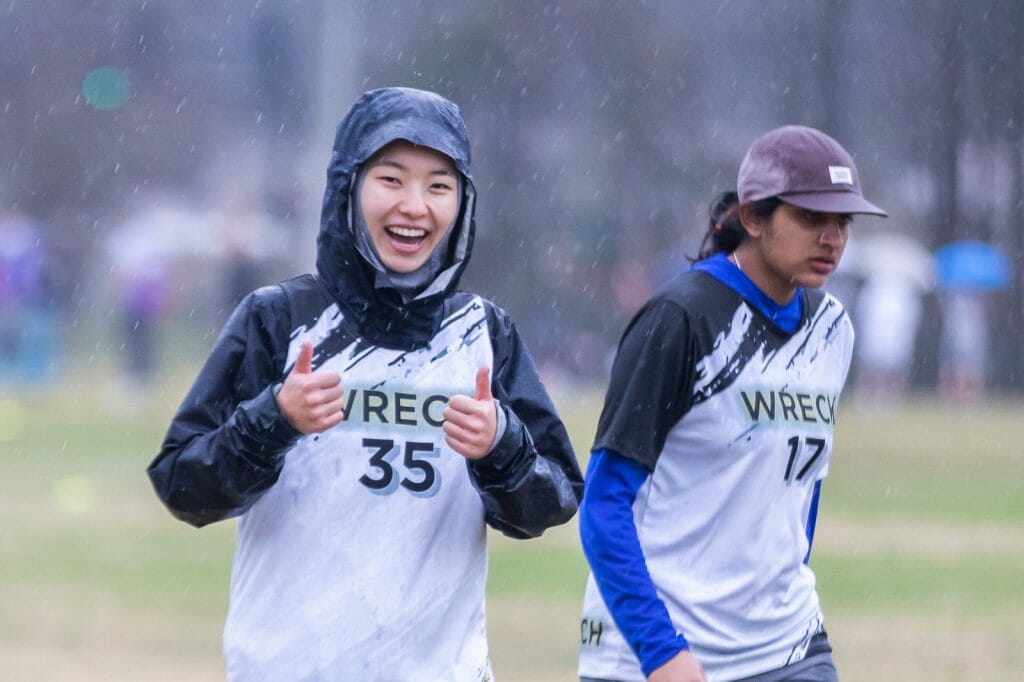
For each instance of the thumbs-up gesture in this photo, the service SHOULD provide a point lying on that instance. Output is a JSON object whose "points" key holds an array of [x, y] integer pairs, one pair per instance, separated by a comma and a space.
{"points": [[470, 423], [311, 401]]}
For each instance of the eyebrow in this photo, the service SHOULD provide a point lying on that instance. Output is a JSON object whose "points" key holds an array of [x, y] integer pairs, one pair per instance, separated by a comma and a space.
{"points": [[385, 161]]}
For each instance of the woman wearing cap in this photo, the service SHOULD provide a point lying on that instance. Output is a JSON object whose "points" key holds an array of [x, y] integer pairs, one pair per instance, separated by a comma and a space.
{"points": [[703, 484]]}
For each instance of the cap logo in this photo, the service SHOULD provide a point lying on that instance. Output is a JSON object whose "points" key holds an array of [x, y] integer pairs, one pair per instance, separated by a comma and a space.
{"points": [[840, 175]]}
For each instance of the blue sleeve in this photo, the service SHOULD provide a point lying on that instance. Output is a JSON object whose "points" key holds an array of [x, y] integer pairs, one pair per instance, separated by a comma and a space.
{"points": [[812, 519], [612, 547]]}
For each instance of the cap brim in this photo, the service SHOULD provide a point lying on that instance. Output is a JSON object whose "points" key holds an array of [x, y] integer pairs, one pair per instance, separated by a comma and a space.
{"points": [[833, 202]]}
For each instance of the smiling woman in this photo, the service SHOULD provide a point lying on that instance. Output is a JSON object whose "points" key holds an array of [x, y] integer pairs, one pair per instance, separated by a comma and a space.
{"points": [[409, 198], [368, 422]]}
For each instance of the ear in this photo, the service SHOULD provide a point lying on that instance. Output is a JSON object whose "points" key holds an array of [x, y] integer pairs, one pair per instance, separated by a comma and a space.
{"points": [[751, 223]]}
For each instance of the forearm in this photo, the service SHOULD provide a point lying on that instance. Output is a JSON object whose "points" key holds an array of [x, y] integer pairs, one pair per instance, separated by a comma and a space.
{"points": [[612, 546], [530, 480], [205, 475], [525, 491]]}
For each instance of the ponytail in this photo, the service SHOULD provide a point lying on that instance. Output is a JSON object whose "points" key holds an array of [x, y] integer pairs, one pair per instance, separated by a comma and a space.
{"points": [[725, 230]]}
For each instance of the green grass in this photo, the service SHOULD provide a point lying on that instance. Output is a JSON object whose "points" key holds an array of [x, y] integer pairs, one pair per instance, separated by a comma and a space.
{"points": [[901, 583], [555, 571], [931, 461], [920, 548]]}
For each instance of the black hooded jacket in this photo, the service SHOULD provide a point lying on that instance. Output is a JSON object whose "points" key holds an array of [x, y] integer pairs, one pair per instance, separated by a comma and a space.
{"points": [[228, 442]]}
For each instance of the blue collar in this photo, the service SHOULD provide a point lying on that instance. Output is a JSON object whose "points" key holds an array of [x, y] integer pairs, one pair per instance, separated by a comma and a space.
{"points": [[785, 317]]}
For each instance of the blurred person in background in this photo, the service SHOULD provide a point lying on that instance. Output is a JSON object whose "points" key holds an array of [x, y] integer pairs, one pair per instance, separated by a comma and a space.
{"points": [[141, 275], [367, 422], [889, 310], [969, 273], [28, 315], [241, 267], [144, 294], [249, 248], [703, 484], [963, 346]]}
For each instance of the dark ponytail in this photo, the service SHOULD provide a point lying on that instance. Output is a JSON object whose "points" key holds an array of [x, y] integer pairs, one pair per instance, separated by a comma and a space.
{"points": [[725, 231]]}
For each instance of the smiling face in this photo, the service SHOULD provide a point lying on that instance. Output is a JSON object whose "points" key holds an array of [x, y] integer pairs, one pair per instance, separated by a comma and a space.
{"points": [[409, 199], [795, 248]]}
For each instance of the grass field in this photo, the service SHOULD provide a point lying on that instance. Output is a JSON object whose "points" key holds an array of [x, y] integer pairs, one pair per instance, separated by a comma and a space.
{"points": [[919, 552]]}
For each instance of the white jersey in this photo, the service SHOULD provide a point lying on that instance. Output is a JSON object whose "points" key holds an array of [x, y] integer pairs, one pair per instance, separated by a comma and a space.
{"points": [[367, 560], [361, 552], [744, 434]]}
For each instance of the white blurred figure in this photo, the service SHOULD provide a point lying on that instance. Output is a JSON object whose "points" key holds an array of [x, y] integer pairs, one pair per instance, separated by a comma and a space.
{"points": [[964, 346], [141, 274], [888, 314]]}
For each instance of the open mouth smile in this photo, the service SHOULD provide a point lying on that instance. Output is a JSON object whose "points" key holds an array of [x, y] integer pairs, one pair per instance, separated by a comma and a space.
{"points": [[406, 238]]}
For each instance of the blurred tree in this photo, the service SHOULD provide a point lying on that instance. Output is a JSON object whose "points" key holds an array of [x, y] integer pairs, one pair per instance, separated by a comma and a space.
{"points": [[1006, 98], [947, 221], [280, 74], [1015, 232], [600, 131]]}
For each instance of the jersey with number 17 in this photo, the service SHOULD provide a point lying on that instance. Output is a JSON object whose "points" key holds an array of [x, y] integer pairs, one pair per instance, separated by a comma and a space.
{"points": [[734, 419]]}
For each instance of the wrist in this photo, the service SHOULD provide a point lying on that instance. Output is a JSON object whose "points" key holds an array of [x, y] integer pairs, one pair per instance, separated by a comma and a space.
{"points": [[500, 424]]}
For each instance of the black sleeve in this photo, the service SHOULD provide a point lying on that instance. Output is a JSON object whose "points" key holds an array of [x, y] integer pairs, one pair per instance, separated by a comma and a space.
{"points": [[530, 481], [651, 383], [226, 443]]}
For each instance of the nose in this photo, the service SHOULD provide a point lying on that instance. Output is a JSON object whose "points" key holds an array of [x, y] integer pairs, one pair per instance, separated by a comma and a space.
{"points": [[833, 234], [413, 203]]}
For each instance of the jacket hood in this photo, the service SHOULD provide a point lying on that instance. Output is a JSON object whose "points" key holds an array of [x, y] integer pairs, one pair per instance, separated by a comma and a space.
{"points": [[378, 118]]}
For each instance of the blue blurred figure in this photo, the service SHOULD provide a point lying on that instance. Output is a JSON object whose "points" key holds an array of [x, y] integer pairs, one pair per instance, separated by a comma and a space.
{"points": [[28, 329]]}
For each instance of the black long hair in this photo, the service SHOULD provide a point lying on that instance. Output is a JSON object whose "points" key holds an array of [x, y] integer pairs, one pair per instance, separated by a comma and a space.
{"points": [[725, 231]]}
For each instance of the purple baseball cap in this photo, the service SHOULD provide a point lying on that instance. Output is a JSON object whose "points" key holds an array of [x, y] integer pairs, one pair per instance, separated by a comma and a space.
{"points": [[804, 167]]}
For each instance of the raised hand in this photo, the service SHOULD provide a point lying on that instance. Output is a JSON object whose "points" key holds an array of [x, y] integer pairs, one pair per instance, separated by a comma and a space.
{"points": [[311, 401], [470, 423]]}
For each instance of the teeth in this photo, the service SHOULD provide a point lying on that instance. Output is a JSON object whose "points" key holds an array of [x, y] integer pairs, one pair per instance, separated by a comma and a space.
{"points": [[408, 231]]}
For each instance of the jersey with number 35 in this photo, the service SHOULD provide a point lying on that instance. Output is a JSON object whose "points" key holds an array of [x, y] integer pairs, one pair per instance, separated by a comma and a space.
{"points": [[361, 552]]}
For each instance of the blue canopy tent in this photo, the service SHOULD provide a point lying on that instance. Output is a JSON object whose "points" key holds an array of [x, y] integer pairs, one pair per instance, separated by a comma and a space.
{"points": [[972, 266]]}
